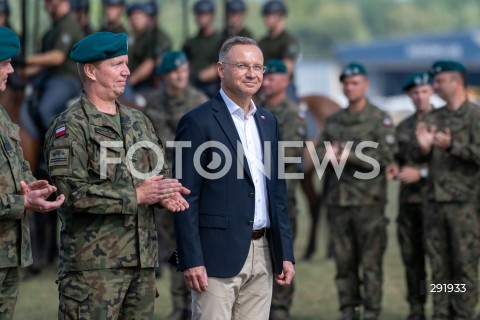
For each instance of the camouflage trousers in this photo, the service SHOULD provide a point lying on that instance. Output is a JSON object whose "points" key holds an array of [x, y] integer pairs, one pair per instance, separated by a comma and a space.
{"points": [[9, 283], [410, 238], [282, 297], [452, 233], [107, 294], [180, 294], [359, 238]]}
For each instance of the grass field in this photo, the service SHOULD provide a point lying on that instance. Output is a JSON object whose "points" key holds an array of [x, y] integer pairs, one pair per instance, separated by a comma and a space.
{"points": [[315, 296]]}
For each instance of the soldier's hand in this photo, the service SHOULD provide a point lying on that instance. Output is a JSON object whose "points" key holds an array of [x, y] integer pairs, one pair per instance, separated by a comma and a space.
{"points": [[35, 200], [35, 185], [443, 139], [196, 278], [288, 272], [392, 171], [409, 175], [155, 189], [425, 136], [177, 202]]}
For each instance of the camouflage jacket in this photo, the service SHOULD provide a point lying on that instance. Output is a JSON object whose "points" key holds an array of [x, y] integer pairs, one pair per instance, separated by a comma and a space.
{"points": [[292, 128], [15, 248], [406, 141], [165, 112], [102, 224], [454, 173], [371, 124]]}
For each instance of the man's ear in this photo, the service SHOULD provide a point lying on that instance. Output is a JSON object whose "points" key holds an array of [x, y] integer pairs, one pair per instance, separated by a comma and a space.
{"points": [[90, 71], [220, 69]]}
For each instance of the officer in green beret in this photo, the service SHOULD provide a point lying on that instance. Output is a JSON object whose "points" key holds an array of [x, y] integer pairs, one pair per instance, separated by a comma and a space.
{"points": [[292, 128], [20, 192], [236, 10], [448, 140], [109, 163], [361, 141], [112, 12], [278, 43], [202, 49], [164, 108], [413, 178]]}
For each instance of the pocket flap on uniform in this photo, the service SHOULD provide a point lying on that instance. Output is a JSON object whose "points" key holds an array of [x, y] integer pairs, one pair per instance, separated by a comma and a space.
{"points": [[75, 290], [59, 158], [213, 221]]}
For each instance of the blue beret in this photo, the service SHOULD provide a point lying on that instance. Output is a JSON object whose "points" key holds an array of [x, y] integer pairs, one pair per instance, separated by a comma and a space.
{"points": [[99, 46], [79, 4], [4, 8], [236, 6], [144, 7], [275, 66], [113, 2], [417, 79], [447, 66], [9, 44], [352, 69], [274, 6], [203, 6], [171, 60]]}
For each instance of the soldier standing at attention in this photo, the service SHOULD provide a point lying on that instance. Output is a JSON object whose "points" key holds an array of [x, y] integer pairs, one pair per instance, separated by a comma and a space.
{"points": [[278, 43], [412, 177], [236, 20], [292, 128], [202, 49], [104, 157], [112, 11], [165, 108], [356, 196], [449, 140], [20, 191]]}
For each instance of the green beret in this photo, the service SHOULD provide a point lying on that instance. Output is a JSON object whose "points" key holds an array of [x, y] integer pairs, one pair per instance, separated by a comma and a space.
{"points": [[99, 46], [352, 69], [9, 44], [417, 79], [275, 66], [171, 60], [447, 66]]}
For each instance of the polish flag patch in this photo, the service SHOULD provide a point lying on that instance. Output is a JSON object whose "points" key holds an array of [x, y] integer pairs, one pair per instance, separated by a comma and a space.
{"points": [[60, 131]]}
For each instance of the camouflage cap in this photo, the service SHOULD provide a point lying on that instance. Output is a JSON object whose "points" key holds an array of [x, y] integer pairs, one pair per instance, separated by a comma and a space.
{"points": [[352, 69], [171, 60], [236, 6], [113, 2], [99, 46], [9, 44], [274, 6], [203, 6], [144, 7], [4, 7], [417, 79], [275, 66], [447, 66]]}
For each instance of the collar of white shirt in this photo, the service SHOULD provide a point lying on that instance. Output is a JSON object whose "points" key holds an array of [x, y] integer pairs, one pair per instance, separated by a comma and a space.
{"points": [[235, 109]]}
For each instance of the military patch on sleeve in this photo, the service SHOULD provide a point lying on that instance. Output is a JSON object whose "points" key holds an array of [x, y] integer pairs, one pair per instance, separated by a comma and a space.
{"points": [[59, 157], [387, 122], [66, 38], [390, 138], [60, 131]]}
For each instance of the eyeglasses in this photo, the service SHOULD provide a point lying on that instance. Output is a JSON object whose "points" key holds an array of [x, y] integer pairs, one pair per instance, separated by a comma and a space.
{"points": [[244, 67]]}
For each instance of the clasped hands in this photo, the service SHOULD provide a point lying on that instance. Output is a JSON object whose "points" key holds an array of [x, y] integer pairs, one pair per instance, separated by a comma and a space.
{"points": [[429, 136], [36, 194], [166, 192]]}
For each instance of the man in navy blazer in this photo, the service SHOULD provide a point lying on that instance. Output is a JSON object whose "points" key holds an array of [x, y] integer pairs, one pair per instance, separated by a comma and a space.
{"points": [[235, 238]]}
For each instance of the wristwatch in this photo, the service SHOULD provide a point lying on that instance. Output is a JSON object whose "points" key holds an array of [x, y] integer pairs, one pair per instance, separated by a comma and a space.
{"points": [[423, 172]]}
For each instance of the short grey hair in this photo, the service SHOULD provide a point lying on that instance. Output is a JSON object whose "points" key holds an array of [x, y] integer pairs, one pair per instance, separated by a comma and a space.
{"points": [[233, 41]]}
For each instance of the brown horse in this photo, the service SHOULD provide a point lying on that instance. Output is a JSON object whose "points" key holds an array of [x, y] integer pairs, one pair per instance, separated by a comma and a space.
{"points": [[320, 107]]}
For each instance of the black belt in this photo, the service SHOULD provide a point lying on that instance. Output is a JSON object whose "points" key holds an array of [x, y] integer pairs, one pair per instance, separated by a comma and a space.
{"points": [[258, 233]]}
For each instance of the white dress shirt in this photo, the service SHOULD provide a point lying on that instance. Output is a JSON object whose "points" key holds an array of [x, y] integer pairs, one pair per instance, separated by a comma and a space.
{"points": [[252, 145]]}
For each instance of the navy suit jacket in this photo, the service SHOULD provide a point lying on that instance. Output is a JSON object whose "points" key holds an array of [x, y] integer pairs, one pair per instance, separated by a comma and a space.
{"points": [[216, 230]]}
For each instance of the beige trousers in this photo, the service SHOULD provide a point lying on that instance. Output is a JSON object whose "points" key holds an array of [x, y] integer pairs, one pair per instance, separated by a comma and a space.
{"points": [[246, 296]]}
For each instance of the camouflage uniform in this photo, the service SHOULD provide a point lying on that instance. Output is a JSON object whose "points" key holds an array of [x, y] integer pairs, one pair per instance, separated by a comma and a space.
{"points": [[410, 217], [356, 206], [165, 112], [292, 128], [451, 225], [15, 250], [106, 240]]}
